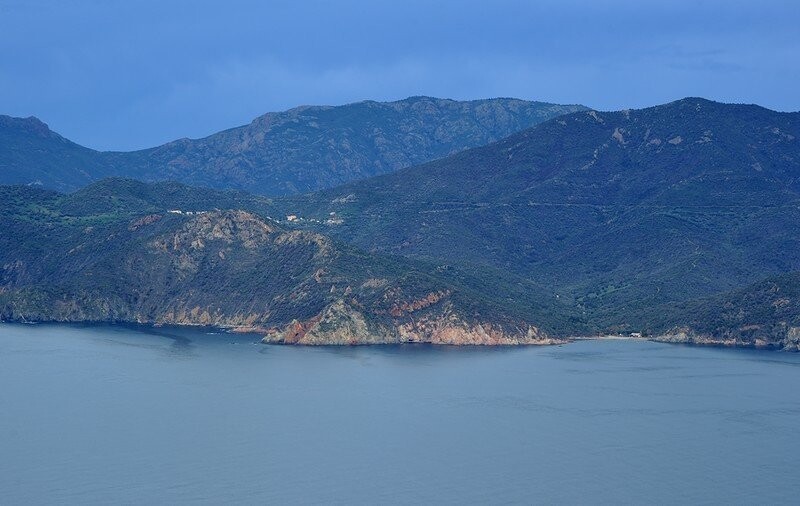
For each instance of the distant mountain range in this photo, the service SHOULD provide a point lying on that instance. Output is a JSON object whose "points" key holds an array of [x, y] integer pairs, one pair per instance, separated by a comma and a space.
{"points": [[300, 150], [680, 222]]}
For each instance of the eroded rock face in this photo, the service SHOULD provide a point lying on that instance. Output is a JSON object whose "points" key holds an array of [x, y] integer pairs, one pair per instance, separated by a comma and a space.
{"points": [[689, 336], [227, 226], [144, 221], [792, 340], [453, 331], [339, 323], [235, 270], [342, 324], [302, 236], [407, 307]]}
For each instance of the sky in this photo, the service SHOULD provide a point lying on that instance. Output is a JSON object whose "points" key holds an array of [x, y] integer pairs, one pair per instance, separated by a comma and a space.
{"points": [[123, 75]]}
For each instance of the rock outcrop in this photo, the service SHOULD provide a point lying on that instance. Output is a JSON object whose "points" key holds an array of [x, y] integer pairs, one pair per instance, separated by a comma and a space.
{"points": [[792, 340], [689, 336], [342, 324], [236, 270]]}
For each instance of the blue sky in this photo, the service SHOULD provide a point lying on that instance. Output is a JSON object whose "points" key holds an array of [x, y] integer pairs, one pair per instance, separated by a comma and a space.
{"points": [[123, 75]]}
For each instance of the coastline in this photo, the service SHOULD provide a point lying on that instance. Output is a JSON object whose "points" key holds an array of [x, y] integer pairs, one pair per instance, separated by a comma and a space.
{"points": [[261, 334]]}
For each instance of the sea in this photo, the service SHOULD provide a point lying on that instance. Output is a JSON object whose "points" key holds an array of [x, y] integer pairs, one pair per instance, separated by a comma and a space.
{"points": [[106, 414]]}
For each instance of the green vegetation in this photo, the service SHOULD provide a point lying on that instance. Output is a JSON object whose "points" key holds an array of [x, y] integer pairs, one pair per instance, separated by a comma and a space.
{"points": [[617, 213], [766, 313], [114, 252], [678, 219]]}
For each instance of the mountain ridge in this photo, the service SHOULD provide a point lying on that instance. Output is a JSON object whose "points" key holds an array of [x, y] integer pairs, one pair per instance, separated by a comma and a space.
{"points": [[640, 221], [615, 211], [302, 149]]}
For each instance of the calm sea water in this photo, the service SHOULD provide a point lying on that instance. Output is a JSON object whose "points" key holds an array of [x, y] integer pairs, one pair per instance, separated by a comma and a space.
{"points": [[99, 415]]}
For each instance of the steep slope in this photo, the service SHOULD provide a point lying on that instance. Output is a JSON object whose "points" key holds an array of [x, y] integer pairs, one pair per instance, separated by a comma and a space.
{"points": [[303, 149], [30, 153], [764, 314], [617, 211], [133, 262]]}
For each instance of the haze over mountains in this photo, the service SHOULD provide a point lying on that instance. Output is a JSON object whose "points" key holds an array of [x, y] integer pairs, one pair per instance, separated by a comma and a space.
{"points": [[645, 221], [303, 149]]}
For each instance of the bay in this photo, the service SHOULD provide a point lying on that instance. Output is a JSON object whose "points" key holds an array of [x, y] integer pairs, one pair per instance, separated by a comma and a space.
{"points": [[118, 414]]}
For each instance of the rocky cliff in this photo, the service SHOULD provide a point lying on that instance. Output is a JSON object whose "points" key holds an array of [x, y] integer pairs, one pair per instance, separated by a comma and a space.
{"points": [[765, 314], [236, 270], [342, 323], [615, 213]]}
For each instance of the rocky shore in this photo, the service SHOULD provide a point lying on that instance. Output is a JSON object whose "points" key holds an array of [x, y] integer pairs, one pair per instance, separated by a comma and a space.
{"points": [[789, 342], [341, 324]]}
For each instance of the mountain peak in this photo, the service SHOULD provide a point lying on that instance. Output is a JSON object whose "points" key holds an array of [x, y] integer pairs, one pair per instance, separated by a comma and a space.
{"points": [[31, 124], [700, 104], [697, 101], [313, 147]]}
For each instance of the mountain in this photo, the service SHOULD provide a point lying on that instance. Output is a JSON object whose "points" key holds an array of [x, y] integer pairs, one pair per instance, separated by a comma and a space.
{"points": [[126, 251], [680, 221], [30, 153], [616, 212], [303, 149]]}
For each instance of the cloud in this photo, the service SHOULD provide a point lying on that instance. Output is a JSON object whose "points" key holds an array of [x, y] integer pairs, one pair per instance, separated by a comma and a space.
{"points": [[122, 75]]}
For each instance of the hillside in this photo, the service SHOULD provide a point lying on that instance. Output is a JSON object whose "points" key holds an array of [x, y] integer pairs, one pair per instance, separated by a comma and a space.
{"points": [[303, 149], [764, 314], [664, 220], [616, 212], [137, 255], [30, 153]]}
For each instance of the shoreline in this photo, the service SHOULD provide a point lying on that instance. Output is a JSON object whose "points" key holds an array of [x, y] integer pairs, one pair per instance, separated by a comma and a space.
{"points": [[259, 333], [610, 337]]}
